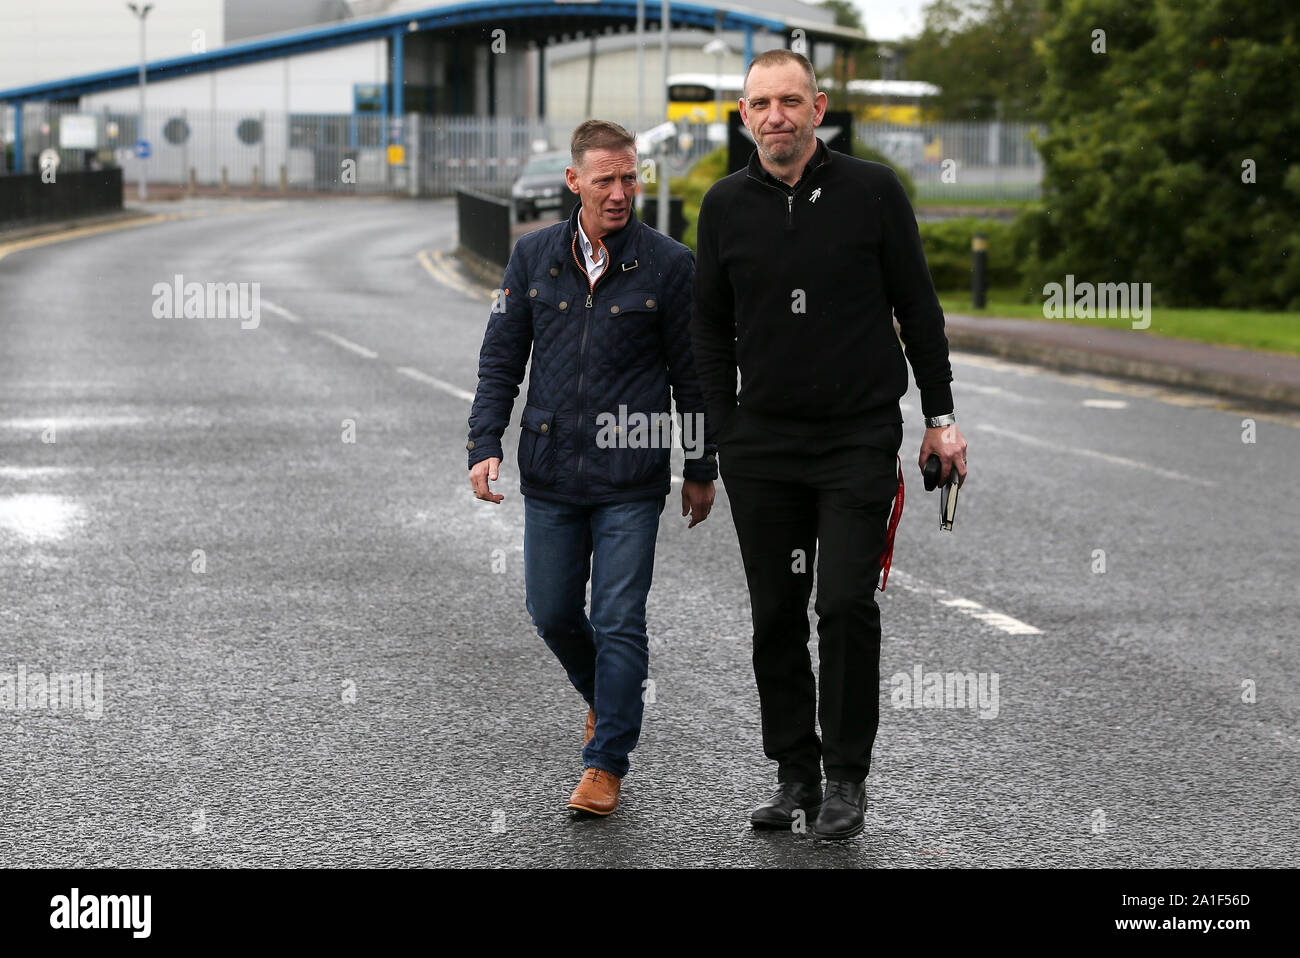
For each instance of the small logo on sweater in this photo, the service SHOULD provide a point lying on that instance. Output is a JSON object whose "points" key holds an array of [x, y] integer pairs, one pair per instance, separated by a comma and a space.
{"points": [[815, 193]]}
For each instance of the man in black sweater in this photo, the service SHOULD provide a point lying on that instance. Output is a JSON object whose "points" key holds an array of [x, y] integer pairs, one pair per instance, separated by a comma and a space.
{"points": [[802, 261]]}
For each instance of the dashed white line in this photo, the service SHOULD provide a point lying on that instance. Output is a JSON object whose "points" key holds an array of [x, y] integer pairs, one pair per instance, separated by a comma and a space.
{"points": [[1135, 390], [997, 391], [346, 343], [1094, 454], [436, 383], [998, 620], [408, 371], [32, 472], [280, 311], [459, 393]]}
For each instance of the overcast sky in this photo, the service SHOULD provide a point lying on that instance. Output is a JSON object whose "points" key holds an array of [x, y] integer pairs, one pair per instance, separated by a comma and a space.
{"points": [[891, 19]]}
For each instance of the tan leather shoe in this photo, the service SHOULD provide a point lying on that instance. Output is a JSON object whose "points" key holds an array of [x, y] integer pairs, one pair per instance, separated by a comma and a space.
{"points": [[591, 727], [597, 793]]}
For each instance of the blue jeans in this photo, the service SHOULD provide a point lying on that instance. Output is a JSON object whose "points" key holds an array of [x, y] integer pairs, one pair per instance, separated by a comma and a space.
{"points": [[606, 655]]}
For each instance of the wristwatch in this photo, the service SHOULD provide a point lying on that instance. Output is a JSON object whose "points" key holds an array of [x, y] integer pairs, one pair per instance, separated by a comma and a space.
{"points": [[934, 422]]}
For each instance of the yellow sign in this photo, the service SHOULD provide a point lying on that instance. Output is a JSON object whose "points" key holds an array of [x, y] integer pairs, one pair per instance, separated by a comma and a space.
{"points": [[396, 155]]}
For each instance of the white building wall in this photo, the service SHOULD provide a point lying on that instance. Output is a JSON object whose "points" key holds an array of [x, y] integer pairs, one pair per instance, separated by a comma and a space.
{"points": [[44, 40], [214, 104], [614, 91], [310, 83]]}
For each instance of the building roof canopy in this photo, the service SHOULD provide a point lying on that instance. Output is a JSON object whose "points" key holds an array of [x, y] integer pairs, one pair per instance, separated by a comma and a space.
{"points": [[532, 19]]}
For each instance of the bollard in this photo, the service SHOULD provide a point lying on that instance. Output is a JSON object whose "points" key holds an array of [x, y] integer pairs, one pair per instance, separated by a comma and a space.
{"points": [[225, 180], [193, 181], [979, 246], [284, 178], [257, 178]]}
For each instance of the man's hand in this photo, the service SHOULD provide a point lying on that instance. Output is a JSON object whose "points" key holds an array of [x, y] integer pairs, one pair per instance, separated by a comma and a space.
{"points": [[697, 499], [949, 445], [479, 476]]}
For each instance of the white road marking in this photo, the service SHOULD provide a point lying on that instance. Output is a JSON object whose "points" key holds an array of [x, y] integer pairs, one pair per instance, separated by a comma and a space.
{"points": [[346, 343], [1094, 454], [996, 391], [1106, 403], [459, 393], [1155, 393], [998, 620], [436, 383], [32, 472], [61, 423], [280, 311], [958, 358]]}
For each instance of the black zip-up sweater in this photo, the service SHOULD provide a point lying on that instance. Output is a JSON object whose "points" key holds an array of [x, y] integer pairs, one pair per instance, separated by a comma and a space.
{"points": [[797, 287]]}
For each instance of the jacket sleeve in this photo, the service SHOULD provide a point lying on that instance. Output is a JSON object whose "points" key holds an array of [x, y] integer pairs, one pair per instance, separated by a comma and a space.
{"points": [[697, 436], [911, 294], [502, 361], [713, 321]]}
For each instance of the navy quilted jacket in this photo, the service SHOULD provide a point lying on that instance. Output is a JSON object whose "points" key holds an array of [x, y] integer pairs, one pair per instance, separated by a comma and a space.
{"points": [[601, 353]]}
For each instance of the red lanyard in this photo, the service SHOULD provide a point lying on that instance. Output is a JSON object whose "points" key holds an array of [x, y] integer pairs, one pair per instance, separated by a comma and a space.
{"points": [[887, 555]]}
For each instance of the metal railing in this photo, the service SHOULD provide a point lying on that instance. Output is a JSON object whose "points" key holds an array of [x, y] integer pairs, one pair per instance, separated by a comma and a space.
{"points": [[31, 199], [961, 161], [484, 223], [350, 153]]}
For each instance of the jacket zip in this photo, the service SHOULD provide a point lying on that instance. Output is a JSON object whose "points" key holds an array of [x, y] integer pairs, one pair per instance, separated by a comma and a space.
{"points": [[789, 197], [582, 343]]}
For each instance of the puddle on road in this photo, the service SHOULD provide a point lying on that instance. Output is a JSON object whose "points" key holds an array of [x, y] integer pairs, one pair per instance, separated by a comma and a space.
{"points": [[37, 517]]}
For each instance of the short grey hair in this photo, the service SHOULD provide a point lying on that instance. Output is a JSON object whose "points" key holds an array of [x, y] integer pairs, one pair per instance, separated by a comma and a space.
{"points": [[772, 58]]}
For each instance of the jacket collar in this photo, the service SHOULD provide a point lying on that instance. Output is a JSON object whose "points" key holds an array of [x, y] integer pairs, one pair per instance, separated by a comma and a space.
{"points": [[617, 243], [821, 156]]}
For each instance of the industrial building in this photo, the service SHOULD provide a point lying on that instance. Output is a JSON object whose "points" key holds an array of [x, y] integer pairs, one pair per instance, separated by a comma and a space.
{"points": [[243, 91]]}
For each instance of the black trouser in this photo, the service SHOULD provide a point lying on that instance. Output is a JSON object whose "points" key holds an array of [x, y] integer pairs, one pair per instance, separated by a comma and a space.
{"points": [[791, 499]]}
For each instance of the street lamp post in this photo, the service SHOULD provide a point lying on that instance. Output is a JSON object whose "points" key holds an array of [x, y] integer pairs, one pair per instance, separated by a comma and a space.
{"points": [[718, 47], [141, 12], [663, 173], [640, 65]]}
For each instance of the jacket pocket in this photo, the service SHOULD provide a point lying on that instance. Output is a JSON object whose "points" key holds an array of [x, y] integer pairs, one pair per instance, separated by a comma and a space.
{"points": [[537, 445], [636, 467], [636, 450], [629, 324]]}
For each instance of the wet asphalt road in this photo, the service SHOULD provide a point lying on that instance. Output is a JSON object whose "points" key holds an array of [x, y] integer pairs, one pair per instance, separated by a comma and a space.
{"points": [[353, 679]]}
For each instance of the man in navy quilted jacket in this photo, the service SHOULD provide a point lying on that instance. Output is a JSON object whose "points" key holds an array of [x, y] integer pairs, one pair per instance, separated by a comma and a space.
{"points": [[603, 302]]}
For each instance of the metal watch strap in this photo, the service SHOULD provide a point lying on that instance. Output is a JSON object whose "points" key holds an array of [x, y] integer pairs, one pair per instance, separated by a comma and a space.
{"points": [[934, 422]]}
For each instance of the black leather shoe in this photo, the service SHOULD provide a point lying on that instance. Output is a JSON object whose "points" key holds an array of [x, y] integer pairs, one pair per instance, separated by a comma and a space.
{"points": [[842, 812], [779, 810]]}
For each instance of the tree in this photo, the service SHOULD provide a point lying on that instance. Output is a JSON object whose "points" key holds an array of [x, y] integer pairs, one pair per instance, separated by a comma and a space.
{"points": [[981, 55], [1172, 150]]}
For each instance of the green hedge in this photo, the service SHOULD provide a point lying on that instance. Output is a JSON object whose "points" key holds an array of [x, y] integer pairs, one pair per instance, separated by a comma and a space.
{"points": [[947, 246], [707, 170]]}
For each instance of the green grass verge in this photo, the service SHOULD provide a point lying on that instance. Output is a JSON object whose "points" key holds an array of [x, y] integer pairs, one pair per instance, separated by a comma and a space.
{"points": [[943, 194], [975, 203], [1247, 329]]}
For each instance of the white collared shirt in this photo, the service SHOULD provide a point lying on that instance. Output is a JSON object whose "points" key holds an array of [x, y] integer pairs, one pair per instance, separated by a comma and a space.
{"points": [[594, 266]]}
